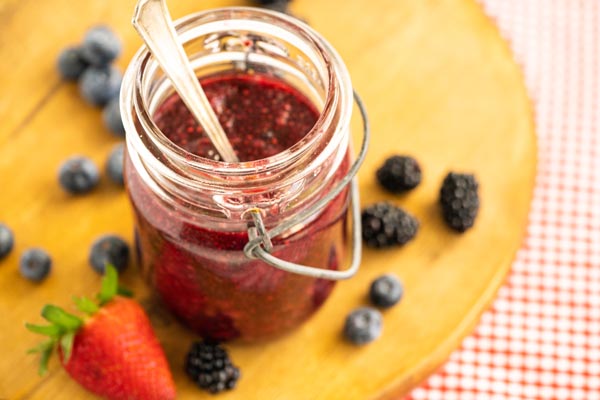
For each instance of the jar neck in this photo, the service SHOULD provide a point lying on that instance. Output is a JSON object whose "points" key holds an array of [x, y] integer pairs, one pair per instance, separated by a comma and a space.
{"points": [[241, 39]]}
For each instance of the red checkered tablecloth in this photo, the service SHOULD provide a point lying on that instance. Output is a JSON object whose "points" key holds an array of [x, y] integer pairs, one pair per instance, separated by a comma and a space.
{"points": [[541, 337]]}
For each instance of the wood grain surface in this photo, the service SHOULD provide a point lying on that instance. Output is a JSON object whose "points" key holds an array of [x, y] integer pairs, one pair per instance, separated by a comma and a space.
{"points": [[439, 84]]}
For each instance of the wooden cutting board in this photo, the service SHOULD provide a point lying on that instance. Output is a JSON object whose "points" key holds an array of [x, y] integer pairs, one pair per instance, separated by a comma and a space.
{"points": [[439, 83]]}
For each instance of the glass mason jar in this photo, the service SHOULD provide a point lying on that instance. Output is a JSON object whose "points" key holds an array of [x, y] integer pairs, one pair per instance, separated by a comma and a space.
{"points": [[195, 216]]}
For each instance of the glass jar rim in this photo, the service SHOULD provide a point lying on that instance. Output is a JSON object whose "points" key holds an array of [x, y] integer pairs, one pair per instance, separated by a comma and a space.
{"points": [[338, 93]]}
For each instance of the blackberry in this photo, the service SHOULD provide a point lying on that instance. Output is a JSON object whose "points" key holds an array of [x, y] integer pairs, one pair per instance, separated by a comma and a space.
{"points": [[385, 225], [99, 85], [386, 291], [111, 115], [78, 175], [7, 241], [114, 164], [100, 46], [71, 64], [363, 325], [459, 200], [209, 366], [109, 249], [399, 174], [35, 264]]}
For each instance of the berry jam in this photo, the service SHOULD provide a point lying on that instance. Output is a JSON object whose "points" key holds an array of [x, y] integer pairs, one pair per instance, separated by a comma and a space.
{"points": [[260, 115], [198, 268]]}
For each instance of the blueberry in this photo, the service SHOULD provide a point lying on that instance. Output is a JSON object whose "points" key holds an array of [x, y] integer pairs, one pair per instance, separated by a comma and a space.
{"points": [[275, 5], [386, 291], [267, 2], [71, 63], [99, 85], [100, 46], [114, 164], [7, 241], [35, 264], [363, 325], [111, 115], [109, 249], [78, 175]]}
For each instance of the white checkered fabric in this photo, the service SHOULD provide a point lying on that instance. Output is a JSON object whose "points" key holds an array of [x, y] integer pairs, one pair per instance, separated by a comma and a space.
{"points": [[541, 337]]}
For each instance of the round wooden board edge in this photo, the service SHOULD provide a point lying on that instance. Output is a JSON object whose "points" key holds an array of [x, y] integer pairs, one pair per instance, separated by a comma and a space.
{"points": [[417, 375]]}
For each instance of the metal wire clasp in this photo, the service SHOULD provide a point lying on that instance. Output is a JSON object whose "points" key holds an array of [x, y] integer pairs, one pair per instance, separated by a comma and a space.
{"points": [[260, 245], [258, 230]]}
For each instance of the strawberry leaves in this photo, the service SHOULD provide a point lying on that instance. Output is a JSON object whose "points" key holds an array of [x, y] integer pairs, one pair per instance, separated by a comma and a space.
{"points": [[62, 329], [64, 326], [66, 345], [110, 285], [47, 330], [45, 348], [121, 291], [85, 305], [59, 317]]}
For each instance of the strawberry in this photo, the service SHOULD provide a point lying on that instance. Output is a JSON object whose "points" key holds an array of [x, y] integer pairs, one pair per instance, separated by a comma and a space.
{"points": [[113, 352]]}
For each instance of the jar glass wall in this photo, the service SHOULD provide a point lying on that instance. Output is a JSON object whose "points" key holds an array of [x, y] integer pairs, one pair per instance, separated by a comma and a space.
{"points": [[192, 210]]}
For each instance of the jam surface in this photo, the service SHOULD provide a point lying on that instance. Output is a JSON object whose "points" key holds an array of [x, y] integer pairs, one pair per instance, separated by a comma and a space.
{"points": [[200, 272], [261, 116]]}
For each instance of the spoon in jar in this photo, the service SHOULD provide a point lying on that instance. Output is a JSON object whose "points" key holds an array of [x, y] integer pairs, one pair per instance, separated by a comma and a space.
{"points": [[152, 21]]}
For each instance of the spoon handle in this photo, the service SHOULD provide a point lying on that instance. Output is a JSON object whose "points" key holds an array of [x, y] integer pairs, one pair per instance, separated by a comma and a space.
{"points": [[152, 21]]}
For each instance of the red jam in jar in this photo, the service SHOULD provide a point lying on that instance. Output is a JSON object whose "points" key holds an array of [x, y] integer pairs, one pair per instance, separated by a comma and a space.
{"points": [[261, 116], [191, 210]]}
